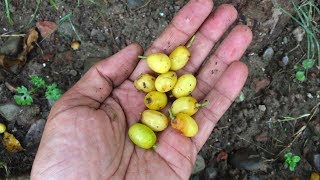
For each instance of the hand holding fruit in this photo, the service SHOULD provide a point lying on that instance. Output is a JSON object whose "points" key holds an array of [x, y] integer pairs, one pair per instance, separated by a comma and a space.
{"points": [[86, 134]]}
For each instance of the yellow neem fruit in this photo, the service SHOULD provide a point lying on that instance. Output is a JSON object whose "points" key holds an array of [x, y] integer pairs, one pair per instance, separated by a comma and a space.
{"points": [[155, 120], [185, 124], [186, 105], [158, 62], [142, 136], [3, 128], [184, 86], [145, 83], [179, 57], [166, 81], [156, 100]]}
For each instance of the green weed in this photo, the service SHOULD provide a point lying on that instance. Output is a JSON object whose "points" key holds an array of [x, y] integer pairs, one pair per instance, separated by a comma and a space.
{"points": [[24, 96], [291, 161], [306, 13]]}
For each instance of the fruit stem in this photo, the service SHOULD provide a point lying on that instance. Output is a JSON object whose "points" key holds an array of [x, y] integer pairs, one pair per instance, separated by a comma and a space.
{"points": [[155, 146], [191, 41], [142, 57], [171, 115], [205, 103]]}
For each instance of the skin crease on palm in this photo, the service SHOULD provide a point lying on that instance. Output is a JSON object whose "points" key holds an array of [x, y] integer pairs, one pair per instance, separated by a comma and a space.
{"points": [[86, 132]]}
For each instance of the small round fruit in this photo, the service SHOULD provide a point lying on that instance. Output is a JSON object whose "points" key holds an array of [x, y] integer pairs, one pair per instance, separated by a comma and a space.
{"points": [[3, 128], [179, 57], [142, 136], [145, 83], [158, 62], [185, 124], [155, 120], [184, 86], [156, 100], [166, 81]]}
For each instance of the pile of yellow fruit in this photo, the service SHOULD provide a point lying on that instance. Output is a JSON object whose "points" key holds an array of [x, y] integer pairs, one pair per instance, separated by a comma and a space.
{"points": [[184, 106]]}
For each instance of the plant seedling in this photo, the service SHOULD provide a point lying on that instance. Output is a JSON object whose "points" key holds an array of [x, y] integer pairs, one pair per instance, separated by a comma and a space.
{"points": [[24, 97], [291, 161], [301, 71], [53, 92], [38, 81]]}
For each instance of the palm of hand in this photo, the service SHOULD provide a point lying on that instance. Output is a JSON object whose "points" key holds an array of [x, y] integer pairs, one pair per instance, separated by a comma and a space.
{"points": [[86, 132]]}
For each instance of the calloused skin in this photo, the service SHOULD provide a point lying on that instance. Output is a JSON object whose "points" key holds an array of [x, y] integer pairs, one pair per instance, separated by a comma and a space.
{"points": [[86, 132]]}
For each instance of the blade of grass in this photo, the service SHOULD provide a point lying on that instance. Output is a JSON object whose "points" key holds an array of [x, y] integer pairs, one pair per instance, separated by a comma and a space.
{"points": [[54, 4], [35, 13], [8, 12]]}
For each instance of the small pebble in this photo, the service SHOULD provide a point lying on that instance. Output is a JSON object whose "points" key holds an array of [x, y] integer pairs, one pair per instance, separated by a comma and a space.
{"points": [[285, 60], [135, 3], [34, 133], [309, 95], [314, 160], [248, 160], [268, 54], [73, 72], [262, 108], [298, 33]]}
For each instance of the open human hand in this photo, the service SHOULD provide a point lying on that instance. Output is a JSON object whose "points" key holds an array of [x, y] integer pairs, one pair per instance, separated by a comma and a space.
{"points": [[86, 132]]}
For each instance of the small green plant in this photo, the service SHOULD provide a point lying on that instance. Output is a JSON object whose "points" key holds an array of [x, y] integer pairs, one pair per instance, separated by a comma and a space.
{"points": [[302, 70], [53, 92], [291, 161], [6, 2], [306, 13], [23, 97]]}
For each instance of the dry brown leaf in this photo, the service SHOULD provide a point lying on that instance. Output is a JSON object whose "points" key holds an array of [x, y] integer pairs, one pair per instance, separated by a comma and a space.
{"points": [[11, 143], [7, 62], [31, 37], [28, 41]]}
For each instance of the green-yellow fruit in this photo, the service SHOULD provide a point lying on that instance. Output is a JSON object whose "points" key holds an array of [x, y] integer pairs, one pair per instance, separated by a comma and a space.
{"points": [[3, 128], [145, 83], [142, 136], [155, 120], [179, 57], [159, 62], [166, 81], [156, 100], [184, 86]]}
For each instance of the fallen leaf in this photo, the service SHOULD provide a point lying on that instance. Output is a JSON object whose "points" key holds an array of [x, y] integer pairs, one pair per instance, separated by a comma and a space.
{"points": [[8, 62], [28, 44], [31, 37], [11, 143], [46, 28]]}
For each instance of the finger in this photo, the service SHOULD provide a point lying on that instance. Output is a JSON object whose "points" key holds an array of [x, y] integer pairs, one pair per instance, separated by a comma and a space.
{"points": [[230, 50], [208, 34], [179, 31], [220, 98], [96, 85]]}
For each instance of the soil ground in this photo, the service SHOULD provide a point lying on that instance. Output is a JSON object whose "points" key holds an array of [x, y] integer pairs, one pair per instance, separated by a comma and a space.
{"points": [[253, 122]]}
